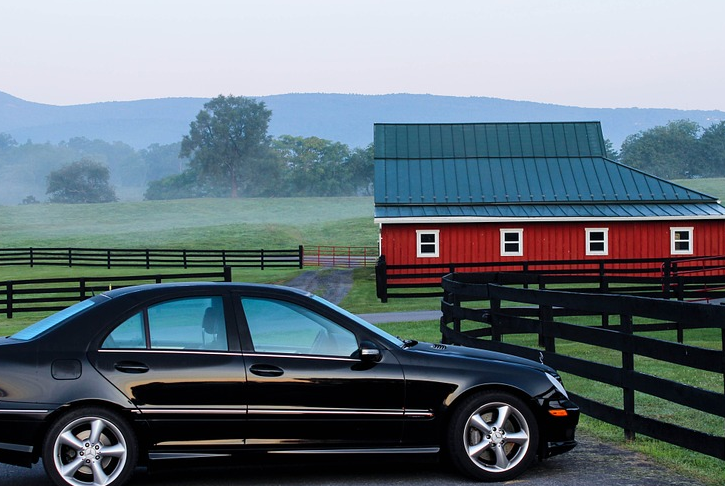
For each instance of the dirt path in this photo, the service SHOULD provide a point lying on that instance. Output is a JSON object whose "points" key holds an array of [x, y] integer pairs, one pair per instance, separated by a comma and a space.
{"points": [[330, 284]]}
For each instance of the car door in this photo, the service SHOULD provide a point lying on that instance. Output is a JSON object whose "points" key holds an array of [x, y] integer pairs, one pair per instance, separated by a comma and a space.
{"points": [[180, 364], [307, 386]]}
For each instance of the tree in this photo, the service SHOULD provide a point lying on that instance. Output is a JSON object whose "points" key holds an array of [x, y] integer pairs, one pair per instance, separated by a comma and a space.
{"points": [[162, 160], [314, 166], [228, 142], [361, 167], [670, 151], [712, 150], [84, 181], [6, 142], [610, 151]]}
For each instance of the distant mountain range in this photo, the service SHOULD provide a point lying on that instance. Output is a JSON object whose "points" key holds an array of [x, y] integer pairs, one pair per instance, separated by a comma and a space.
{"points": [[346, 118]]}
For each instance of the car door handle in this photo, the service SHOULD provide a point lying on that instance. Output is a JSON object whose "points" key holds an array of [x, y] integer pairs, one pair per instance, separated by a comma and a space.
{"points": [[266, 370], [131, 367]]}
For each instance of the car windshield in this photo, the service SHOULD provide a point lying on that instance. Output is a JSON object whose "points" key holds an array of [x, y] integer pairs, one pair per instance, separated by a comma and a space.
{"points": [[388, 337], [35, 330]]}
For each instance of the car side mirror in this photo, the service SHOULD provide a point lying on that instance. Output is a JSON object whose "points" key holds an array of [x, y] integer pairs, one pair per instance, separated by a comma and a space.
{"points": [[369, 352]]}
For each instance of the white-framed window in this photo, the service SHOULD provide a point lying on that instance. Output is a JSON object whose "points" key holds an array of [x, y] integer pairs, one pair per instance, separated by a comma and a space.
{"points": [[681, 241], [512, 242], [427, 242], [597, 241]]}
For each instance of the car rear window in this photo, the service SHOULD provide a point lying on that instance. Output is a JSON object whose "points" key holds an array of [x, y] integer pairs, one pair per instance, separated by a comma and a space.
{"points": [[35, 330]]}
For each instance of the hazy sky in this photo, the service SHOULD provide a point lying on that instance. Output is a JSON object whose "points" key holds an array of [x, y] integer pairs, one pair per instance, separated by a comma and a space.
{"points": [[593, 53]]}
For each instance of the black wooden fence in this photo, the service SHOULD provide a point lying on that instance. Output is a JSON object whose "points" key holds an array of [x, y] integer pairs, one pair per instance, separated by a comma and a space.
{"points": [[151, 258], [54, 294], [545, 313], [669, 278]]}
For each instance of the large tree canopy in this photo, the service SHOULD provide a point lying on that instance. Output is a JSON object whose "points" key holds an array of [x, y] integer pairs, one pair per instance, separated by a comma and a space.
{"points": [[84, 181], [228, 141], [677, 150]]}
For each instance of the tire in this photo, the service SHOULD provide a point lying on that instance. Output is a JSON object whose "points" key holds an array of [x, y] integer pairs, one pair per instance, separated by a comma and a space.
{"points": [[493, 436], [89, 447]]}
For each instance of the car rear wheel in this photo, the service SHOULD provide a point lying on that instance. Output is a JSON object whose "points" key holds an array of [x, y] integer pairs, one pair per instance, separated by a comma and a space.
{"points": [[493, 436], [90, 447]]}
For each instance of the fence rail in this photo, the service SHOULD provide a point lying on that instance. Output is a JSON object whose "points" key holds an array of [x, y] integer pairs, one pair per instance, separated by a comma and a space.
{"points": [[545, 313], [151, 258], [54, 294], [676, 278]]}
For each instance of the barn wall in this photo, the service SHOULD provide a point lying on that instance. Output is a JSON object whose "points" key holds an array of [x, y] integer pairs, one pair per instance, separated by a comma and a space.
{"points": [[462, 243]]}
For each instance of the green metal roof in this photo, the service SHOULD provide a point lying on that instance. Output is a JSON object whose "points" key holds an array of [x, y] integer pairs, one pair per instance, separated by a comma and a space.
{"points": [[526, 166], [474, 140]]}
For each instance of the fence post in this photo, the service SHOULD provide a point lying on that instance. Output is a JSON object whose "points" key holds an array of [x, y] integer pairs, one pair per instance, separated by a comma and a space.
{"points": [[184, 257], [261, 258], [546, 316], [148, 259], [627, 370], [495, 305], [70, 257], [224, 258], [9, 293], [381, 279], [227, 273], [108, 259], [666, 277], [301, 250], [32, 258]]}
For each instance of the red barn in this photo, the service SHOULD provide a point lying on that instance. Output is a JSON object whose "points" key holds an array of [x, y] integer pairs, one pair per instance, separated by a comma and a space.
{"points": [[500, 192]]}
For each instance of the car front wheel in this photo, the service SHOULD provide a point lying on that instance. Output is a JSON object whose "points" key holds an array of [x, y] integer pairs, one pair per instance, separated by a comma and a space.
{"points": [[90, 447], [493, 436]]}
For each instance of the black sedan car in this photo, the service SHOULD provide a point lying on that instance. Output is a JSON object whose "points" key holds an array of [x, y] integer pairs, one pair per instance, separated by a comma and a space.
{"points": [[183, 372]]}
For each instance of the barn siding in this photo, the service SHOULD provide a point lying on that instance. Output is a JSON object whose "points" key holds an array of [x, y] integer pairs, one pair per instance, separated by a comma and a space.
{"points": [[464, 243]]}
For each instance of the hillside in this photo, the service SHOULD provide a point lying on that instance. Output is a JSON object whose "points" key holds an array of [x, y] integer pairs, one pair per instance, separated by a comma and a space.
{"points": [[346, 118]]}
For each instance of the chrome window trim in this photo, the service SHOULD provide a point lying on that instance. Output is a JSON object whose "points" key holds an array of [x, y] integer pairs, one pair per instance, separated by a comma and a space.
{"points": [[170, 351], [254, 354]]}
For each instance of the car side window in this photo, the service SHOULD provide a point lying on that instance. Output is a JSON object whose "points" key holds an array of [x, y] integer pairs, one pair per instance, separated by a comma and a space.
{"points": [[129, 335], [286, 328], [189, 323]]}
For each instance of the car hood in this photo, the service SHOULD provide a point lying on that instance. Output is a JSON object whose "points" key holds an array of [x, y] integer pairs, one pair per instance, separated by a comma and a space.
{"points": [[464, 352]]}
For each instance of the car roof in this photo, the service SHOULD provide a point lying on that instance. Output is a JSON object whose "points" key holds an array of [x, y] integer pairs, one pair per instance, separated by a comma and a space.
{"points": [[160, 288]]}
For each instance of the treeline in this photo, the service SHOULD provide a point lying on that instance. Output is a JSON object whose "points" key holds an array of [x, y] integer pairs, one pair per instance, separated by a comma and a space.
{"points": [[26, 168], [289, 166], [231, 154], [228, 153], [679, 150], [239, 159]]}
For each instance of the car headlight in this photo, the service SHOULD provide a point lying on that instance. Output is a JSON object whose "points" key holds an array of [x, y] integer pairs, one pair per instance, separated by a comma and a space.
{"points": [[556, 381]]}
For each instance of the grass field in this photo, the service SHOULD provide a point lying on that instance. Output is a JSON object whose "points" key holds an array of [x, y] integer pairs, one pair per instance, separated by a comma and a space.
{"points": [[713, 187], [269, 224], [192, 224]]}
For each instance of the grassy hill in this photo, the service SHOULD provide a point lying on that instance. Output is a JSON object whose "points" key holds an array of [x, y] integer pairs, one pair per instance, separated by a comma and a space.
{"points": [[714, 187]]}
